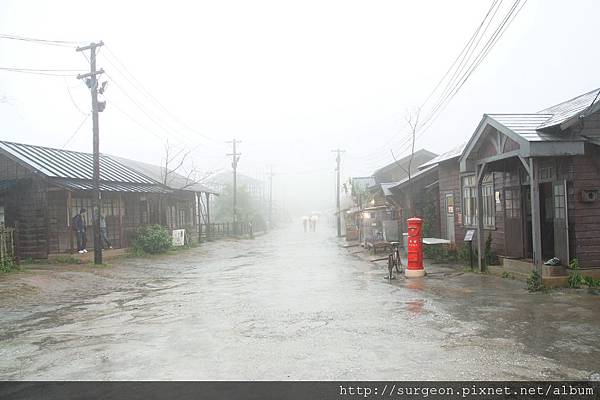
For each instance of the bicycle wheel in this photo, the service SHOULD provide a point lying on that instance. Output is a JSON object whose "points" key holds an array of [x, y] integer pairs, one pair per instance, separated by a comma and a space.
{"points": [[390, 265], [398, 261]]}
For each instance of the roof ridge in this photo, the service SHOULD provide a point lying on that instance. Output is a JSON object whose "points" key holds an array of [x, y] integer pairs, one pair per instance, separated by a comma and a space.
{"points": [[50, 148], [567, 101]]}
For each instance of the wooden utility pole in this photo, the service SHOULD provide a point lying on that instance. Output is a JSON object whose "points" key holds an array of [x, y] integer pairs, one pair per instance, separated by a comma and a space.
{"points": [[270, 197], [235, 156], [337, 190], [92, 82]]}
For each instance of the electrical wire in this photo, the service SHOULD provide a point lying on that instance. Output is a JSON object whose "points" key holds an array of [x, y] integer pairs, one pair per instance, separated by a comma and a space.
{"points": [[60, 43], [76, 131], [45, 72], [466, 66], [133, 81], [73, 100]]}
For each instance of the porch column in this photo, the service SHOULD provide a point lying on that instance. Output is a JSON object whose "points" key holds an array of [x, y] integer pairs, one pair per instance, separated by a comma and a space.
{"points": [[69, 227], [121, 232], [479, 171], [207, 216], [536, 230]]}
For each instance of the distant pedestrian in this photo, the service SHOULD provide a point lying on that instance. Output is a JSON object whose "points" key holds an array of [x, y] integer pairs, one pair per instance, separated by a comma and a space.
{"points": [[313, 223], [305, 221], [78, 223]]}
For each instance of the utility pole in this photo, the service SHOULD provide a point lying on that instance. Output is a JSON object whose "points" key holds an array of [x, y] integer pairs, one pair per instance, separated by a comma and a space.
{"points": [[337, 190], [235, 157], [271, 196], [92, 82]]}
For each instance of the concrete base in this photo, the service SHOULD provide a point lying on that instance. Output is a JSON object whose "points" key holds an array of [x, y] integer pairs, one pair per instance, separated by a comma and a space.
{"points": [[414, 273]]}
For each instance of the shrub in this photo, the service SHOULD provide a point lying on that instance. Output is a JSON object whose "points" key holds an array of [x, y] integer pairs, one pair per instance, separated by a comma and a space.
{"points": [[490, 257], [575, 278], [152, 239], [8, 265], [534, 282], [591, 282]]}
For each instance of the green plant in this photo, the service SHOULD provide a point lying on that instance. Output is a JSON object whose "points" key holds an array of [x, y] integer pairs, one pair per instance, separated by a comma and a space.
{"points": [[64, 259], [463, 253], [505, 274], [489, 255], [574, 263], [8, 265], [591, 282], [534, 282], [576, 280], [151, 239]]}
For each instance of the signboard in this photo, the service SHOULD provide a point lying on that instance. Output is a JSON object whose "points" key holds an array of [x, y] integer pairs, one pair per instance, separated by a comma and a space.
{"points": [[178, 237], [469, 235]]}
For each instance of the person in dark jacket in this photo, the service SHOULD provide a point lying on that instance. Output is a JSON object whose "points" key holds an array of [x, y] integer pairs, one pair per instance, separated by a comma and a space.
{"points": [[79, 227]]}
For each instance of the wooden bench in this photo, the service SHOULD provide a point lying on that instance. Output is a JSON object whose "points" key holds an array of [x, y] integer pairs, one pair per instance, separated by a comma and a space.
{"points": [[380, 245]]}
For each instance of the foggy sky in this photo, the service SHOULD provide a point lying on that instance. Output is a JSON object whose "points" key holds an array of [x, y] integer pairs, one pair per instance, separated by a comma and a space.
{"points": [[292, 80]]}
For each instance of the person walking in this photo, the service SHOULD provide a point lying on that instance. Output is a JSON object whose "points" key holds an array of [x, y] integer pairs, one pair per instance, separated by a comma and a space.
{"points": [[104, 232], [79, 227]]}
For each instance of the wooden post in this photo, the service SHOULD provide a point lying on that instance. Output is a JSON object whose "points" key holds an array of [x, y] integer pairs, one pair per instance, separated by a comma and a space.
{"points": [[17, 243], [207, 215], [536, 231], [69, 227], [480, 170], [121, 232]]}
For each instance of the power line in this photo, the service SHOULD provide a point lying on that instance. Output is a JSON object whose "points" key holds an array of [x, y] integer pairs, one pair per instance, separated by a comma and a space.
{"points": [[466, 66], [45, 72], [133, 81], [61, 43], [73, 100], [143, 109], [76, 131]]}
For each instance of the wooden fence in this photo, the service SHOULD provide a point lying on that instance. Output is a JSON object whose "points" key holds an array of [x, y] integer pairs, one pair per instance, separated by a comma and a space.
{"points": [[221, 230]]}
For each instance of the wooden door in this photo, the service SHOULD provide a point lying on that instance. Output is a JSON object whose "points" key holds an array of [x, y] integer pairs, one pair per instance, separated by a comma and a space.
{"points": [[513, 222], [561, 222]]}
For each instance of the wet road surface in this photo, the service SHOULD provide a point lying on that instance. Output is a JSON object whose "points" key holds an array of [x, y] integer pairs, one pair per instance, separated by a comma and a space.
{"points": [[287, 305]]}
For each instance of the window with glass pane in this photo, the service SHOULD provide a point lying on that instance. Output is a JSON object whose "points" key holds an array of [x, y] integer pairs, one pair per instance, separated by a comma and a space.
{"points": [[559, 202]]}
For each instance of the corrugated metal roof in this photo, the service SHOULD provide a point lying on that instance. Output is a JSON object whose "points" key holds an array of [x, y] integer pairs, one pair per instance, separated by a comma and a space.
{"points": [[416, 175], [523, 124], [385, 187], [175, 181], [110, 186], [449, 155], [55, 163], [568, 109], [531, 125]]}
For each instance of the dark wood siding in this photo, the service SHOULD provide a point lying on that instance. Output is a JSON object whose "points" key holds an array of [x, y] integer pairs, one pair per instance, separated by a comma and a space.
{"points": [[584, 217]]}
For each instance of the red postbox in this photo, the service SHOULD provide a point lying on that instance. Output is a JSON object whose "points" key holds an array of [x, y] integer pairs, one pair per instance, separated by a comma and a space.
{"points": [[415, 248]]}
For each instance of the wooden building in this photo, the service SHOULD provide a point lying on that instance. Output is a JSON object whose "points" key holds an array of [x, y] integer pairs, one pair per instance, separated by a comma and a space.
{"points": [[535, 180], [42, 188], [188, 203], [418, 197]]}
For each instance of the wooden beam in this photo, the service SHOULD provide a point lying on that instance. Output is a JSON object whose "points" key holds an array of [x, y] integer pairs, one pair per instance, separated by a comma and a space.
{"points": [[536, 230], [121, 231], [480, 232], [69, 227]]}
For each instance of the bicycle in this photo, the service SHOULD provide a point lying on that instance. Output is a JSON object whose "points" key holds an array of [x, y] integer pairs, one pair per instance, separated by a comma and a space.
{"points": [[394, 260]]}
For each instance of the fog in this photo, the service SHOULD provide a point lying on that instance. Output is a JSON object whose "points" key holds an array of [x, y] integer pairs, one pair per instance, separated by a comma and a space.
{"points": [[291, 80]]}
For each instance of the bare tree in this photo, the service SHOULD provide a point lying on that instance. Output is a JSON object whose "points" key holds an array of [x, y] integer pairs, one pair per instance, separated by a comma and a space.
{"points": [[174, 172], [412, 119], [176, 175]]}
